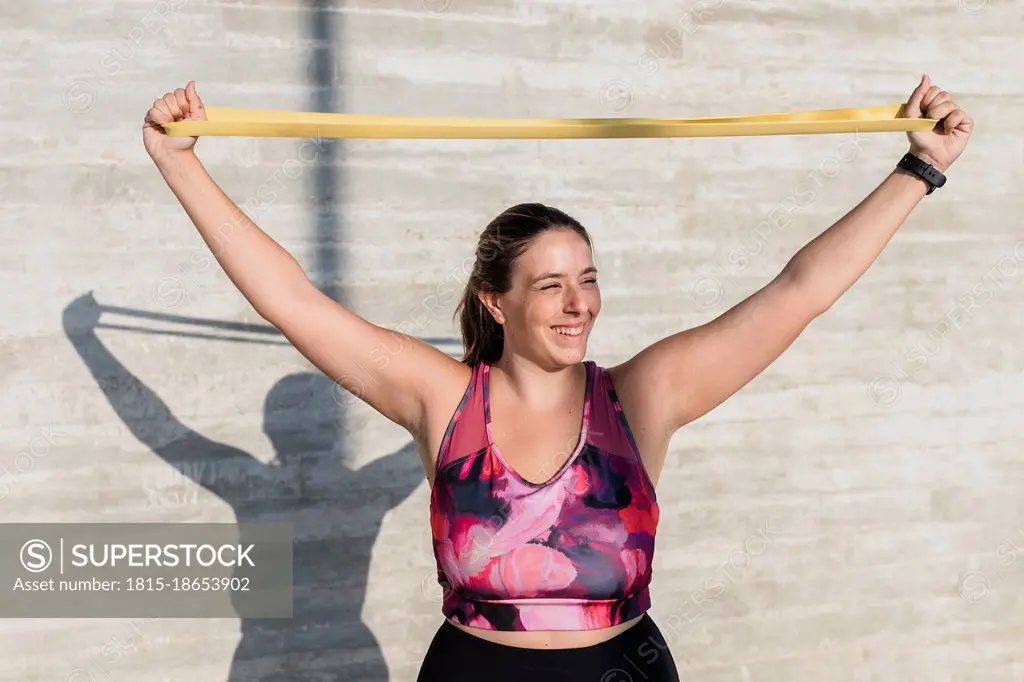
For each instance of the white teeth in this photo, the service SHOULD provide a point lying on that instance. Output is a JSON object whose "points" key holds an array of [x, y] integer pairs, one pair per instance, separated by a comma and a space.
{"points": [[569, 331]]}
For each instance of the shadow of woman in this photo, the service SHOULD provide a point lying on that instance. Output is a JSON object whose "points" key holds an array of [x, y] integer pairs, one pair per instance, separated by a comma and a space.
{"points": [[335, 512]]}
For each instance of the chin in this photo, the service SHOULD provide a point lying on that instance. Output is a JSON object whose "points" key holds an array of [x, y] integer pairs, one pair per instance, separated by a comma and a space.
{"points": [[567, 350]]}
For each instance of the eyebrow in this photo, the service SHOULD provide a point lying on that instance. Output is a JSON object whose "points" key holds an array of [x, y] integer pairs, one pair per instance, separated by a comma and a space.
{"points": [[548, 275]]}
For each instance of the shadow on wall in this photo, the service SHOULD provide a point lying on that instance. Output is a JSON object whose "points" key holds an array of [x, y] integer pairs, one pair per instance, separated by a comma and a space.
{"points": [[335, 512]]}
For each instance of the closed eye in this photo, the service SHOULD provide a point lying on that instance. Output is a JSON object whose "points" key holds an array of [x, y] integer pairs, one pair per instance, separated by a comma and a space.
{"points": [[553, 285]]}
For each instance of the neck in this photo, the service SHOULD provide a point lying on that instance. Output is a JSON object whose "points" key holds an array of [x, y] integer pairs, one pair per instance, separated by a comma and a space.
{"points": [[537, 387]]}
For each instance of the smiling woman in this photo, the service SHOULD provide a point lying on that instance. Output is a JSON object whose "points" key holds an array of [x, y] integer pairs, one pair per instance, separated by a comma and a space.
{"points": [[540, 442], [546, 575]]}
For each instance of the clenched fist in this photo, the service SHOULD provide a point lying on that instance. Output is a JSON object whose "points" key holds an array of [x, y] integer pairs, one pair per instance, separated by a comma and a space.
{"points": [[942, 145], [181, 105]]}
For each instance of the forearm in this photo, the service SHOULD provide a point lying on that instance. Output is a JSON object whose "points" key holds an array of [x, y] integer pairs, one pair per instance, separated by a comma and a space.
{"points": [[257, 265], [830, 263]]}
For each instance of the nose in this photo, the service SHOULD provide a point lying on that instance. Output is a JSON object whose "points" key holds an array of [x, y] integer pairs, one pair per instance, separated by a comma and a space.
{"points": [[573, 300]]}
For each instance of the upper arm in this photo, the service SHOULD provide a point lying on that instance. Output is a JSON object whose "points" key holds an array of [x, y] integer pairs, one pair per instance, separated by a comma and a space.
{"points": [[392, 372], [689, 373]]}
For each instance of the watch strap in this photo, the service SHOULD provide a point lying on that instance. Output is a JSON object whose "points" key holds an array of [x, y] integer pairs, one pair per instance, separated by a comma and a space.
{"points": [[924, 170]]}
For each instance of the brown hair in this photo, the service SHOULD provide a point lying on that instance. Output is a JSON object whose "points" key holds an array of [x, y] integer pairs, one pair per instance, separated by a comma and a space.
{"points": [[500, 244]]}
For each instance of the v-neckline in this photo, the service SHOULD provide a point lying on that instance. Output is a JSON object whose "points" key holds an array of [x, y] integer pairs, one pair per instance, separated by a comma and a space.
{"points": [[584, 428]]}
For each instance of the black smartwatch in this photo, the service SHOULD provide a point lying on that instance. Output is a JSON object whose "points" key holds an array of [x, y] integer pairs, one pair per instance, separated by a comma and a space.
{"points": [[924, 170]]}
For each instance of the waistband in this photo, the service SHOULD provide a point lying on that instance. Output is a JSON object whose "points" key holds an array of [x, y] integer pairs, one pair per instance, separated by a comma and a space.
{"points": [[639, 653], [544, 614], [633, 634]]}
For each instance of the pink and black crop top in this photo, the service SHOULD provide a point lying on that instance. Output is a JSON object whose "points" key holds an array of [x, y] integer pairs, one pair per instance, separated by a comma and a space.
{"points": [[572, 553]]}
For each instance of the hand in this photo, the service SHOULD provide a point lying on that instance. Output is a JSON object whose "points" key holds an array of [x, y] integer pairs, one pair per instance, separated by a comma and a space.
{"points": [[942, 145], [180, 105]]}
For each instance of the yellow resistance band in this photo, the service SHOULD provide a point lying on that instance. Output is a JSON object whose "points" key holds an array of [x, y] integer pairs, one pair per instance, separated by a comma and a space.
{"points": [[231, 121]]}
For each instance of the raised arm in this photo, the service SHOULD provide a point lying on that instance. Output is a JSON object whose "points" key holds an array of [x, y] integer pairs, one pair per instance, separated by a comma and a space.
{"points": [[391, 371], [683, 376]]}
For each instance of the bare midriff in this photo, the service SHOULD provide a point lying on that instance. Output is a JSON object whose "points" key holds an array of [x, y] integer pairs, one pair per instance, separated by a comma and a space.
{"points": [[549, 639]]}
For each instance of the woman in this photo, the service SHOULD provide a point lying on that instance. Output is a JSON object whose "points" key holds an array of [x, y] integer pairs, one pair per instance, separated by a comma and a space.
{"points": [[542, 465]]}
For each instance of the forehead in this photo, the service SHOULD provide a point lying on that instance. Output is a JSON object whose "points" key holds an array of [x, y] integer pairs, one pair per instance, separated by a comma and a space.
{"points": [[555, 251]]}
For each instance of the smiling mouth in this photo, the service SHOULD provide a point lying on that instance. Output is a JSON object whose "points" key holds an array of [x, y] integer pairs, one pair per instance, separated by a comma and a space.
{"points": [[573, 331]]}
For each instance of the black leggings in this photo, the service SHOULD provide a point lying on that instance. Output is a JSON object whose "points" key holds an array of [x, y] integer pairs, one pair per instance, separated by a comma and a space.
{"points": [[638, 654]]}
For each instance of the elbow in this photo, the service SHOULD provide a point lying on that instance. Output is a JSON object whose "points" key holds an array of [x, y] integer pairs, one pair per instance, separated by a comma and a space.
{"points": [[276, 304], [278, 291], [808, 292]]}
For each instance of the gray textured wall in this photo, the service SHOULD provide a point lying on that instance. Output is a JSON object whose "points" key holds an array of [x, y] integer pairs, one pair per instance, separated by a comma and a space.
{"points": [[853, 514]]}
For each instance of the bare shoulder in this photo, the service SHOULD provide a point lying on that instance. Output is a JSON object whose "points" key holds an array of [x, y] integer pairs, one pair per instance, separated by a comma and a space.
{"points": [[644, 411], [446, 384]]}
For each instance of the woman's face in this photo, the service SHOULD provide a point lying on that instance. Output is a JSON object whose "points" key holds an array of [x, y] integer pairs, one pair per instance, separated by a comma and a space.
{"points": [[554, 299]]}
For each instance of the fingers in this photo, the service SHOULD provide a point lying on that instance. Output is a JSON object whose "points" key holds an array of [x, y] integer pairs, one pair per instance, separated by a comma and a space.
{"points": [[179, 95], [195, 103], [160, 105], [172, 106], [940, 97], [931, 97], [931, 101], [175, 106], [158, 114], [939, 104], [967, 124], [951, 122], [959, 120], [941, 111], [913, 107]]}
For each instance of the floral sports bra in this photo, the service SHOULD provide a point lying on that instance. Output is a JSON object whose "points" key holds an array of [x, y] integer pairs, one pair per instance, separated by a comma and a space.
{"points": [[572, 553]]}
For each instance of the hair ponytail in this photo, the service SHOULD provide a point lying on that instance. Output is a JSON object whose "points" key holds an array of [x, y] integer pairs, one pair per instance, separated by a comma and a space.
{"points": [[482, 337]]}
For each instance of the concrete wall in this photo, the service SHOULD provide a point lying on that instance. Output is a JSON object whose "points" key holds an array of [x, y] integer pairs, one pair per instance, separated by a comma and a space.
{"points": [[852, 514]]}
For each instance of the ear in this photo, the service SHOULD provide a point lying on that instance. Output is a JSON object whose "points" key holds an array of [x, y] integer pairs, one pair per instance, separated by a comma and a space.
{"points": [[493, 305]]}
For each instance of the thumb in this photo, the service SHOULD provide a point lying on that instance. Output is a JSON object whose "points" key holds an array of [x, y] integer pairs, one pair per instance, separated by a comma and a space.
{"points": [[195, 104], [913, 106]]}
